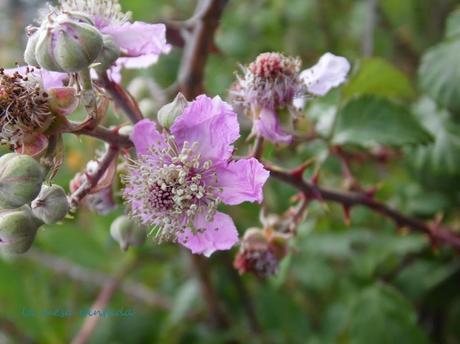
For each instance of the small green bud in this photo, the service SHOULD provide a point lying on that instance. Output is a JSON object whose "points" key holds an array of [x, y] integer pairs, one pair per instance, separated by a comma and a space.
{"points": [[29, 53], [68, 43], [168, 113], [21, 178], [17, 230], [126, 130], [109, 54], [127, 233], [51, 205]]}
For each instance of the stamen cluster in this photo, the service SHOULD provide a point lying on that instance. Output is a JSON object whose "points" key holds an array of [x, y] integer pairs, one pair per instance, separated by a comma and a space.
{"points": [[24, 107], [105, 11], [172, 186], [271, 81]]}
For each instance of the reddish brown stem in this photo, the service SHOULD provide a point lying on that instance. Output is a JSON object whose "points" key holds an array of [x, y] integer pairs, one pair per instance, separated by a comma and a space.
{"points": [[437, 235], [94, 178], [122, 98]]}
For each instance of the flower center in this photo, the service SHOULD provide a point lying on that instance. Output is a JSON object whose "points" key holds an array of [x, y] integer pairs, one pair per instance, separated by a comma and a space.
{"points": [[170, 187], [104, 12]]}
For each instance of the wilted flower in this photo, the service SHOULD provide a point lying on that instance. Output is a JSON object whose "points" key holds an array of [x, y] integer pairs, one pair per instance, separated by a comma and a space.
{"points": [[261, 252], [179, 178], [274, 82], [29, 100], [140, 43]]}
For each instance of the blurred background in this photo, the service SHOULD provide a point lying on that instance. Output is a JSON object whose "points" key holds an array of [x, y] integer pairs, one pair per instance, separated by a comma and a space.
{"points": [[364, 283]]}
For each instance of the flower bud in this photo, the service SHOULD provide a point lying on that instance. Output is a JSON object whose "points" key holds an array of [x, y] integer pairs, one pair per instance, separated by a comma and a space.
{"points": [[17, 230], [21, 178], [109, 54], [168, 113], [67, 42], [51, 205], [127, 233], [29, 53]]}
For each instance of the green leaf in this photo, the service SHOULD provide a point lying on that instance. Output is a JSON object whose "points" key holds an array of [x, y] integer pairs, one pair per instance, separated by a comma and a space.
{"points": [[437, 165], [380, 315], [378, 77], [367, 121], [453, 24], [439, 74]]}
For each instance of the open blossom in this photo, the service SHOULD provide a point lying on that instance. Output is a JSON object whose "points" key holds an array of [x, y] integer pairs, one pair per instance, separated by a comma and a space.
{"points": [[274, 82], [26, 112], [180, 177], [140, 43]]}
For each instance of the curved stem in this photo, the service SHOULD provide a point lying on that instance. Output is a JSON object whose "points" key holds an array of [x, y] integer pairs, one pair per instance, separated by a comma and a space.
{"points": [[348, 200]]}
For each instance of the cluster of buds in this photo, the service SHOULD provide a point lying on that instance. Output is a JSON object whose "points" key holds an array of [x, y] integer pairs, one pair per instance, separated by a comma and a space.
{"points": [[66, 42], [26, 204], [261, 252]]}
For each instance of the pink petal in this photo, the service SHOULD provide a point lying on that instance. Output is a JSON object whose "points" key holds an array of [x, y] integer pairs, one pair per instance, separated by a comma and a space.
{"points": [[242, 181], [145, 135], [139, 38], [210, 122], [268, 126], [48, 79], [220, 234], [329, 72]]}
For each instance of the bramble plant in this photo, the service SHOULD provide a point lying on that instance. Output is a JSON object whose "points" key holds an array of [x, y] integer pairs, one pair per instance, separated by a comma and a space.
{"points": [[177, 168]]}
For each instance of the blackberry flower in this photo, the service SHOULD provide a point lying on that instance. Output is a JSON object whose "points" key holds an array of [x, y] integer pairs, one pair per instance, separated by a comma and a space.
{"points": [[180, 177]]}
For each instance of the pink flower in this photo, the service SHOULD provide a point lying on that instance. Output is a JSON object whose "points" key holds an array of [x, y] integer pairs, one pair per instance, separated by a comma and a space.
{"points": [[179, 178], [274, 82], [140, 43]]}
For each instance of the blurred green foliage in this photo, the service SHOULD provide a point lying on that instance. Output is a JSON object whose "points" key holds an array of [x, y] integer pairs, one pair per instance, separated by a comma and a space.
{"points": [[366, 283]]}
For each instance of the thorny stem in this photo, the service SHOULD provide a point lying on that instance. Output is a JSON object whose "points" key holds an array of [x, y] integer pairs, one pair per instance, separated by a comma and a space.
{"points": [[122, 99], [92, 180], [101, 303], [107, 135], [217, 315], [347, 200]]}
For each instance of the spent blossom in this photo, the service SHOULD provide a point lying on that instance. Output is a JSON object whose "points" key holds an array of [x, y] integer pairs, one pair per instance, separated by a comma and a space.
{"points": [[180, 177], [275, 82], [29, 101]]}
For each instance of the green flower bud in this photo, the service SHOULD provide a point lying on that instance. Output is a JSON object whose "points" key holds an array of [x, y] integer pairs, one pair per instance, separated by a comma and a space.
{"points": [[51, 205], [168, 113], [109, 54], [29, 53], [21, 178], [127, 233], [67, 42], [17, 230]]}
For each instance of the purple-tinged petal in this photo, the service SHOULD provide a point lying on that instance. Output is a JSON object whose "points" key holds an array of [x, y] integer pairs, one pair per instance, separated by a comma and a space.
{"points": [[53, 79], [268, 126], [145, 135], [211, 123], [220, 234], [139, 38], [48, 79], [329, 72], [242, 181]]}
